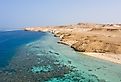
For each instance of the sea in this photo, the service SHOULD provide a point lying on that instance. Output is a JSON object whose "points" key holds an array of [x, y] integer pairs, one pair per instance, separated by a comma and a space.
{"points": [[38, 57]]}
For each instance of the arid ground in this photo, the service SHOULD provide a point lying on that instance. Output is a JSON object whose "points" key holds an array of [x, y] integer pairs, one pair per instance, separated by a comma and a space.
{"points": [[98, 40]]}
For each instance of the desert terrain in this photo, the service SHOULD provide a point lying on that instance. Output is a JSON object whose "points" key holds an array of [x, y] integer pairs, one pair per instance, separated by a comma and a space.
{"points": [[98, 40]]}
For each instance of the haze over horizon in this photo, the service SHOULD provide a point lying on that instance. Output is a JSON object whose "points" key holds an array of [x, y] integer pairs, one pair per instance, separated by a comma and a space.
{"points": [[21, 13]]}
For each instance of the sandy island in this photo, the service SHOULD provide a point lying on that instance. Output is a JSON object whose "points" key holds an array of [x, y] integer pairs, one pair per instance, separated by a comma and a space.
{"points": [[98, 40]]}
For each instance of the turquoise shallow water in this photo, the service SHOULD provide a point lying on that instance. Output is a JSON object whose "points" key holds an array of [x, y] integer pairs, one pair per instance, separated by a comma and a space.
{"points": [[104, 70], [45, 60]]}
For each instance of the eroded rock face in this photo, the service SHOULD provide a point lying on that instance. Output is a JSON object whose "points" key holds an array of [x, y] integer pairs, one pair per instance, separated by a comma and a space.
{"points": [[96, 46]]}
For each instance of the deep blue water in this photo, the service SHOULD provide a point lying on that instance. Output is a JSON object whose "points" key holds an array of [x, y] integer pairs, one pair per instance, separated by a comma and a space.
{"points": [[11, 40]]}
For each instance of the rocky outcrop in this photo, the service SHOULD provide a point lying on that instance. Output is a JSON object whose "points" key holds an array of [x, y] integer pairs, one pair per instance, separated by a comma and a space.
{"points": [[97, 46]]}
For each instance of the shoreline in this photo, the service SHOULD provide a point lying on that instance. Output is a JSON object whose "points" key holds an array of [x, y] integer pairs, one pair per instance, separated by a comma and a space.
{"points": [[105, 56], [89, 39], [114, 58]]}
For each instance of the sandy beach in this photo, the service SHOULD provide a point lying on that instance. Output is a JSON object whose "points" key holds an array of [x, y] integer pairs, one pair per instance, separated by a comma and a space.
{"points": [[98, 40]]}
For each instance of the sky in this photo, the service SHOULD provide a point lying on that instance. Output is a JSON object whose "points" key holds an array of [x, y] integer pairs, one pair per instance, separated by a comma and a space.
{"points": [[24, 13]]}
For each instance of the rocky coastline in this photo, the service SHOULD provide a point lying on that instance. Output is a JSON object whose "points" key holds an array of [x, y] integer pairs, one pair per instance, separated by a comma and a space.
{"points": [[98, 40]]}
